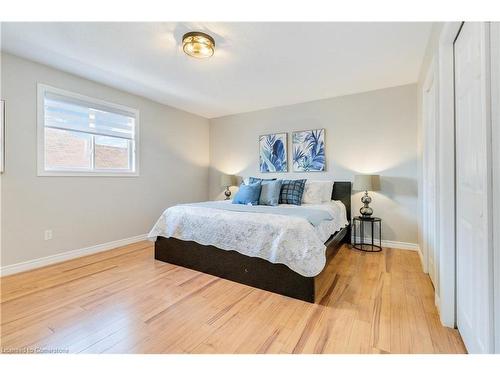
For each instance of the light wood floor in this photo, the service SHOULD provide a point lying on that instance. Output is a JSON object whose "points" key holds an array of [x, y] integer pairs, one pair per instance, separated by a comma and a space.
{"points": [[123, 301]]}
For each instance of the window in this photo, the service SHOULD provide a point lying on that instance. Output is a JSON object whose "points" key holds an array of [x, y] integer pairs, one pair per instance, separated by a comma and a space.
{"points": [[78, 135]]}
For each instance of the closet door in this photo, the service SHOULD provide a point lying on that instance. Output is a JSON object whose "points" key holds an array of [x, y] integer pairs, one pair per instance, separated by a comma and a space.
{"points": [[473, 188], [495, 123]]}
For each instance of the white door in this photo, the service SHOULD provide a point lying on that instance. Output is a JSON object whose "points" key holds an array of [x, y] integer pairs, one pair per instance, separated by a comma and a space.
{"points": [[495, 123], [473, 188], [430, 175]]}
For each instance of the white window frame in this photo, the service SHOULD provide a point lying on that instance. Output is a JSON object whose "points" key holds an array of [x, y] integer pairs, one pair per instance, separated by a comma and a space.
{"points": [[42, 172]]}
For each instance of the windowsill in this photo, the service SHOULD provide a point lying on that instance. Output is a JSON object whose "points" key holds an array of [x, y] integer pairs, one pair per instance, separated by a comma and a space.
{"points": [[86, 174]]}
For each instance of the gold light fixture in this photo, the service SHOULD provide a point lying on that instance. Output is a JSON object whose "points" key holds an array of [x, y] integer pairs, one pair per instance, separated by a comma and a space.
{"points": [[198, 44]]}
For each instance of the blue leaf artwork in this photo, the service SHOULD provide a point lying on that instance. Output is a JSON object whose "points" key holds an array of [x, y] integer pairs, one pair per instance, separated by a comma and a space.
{"points": [[309, 150], [273, 155]]}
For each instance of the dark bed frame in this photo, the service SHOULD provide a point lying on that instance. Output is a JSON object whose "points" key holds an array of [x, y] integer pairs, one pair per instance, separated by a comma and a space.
{"points": [[253, 271]]}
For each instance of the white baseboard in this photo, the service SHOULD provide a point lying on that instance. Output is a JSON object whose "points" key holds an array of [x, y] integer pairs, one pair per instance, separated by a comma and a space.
{"points": [[421, 256], [395, 244], [67, 255], [422, 261], [437, 302], [400, 245]]}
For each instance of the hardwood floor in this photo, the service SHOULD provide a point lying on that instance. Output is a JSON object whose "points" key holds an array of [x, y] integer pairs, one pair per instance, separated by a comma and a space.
{"points": [[124, 301]]}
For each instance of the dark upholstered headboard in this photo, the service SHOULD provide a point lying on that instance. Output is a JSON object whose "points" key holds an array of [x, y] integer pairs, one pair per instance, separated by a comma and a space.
{"points": [[342, 192]]}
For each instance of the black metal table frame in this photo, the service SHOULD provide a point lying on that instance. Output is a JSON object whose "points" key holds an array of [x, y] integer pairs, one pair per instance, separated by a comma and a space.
{"points": [[359, 245]]}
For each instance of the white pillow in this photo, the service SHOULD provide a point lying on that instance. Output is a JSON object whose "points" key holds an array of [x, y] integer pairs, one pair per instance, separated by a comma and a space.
{"points": [[314, 192], [327, 190]]}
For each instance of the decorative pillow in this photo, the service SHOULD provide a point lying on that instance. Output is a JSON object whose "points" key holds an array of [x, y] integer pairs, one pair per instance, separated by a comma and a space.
{"points": [[317, 191], [313, 192], [248, 194], [292, 191], [253, 180], [327, 190], [270, 193]]}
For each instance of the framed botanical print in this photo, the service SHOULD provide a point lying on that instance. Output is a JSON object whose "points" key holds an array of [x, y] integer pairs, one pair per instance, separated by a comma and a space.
{"points": [[273, 155], [309, 150]]}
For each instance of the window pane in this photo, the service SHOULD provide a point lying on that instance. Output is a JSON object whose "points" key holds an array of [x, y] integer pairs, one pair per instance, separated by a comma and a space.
{"points": [[111, 153], [67, 149]]}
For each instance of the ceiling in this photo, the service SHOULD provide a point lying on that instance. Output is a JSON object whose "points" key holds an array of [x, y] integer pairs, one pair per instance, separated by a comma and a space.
{"points": [[255, 66]]}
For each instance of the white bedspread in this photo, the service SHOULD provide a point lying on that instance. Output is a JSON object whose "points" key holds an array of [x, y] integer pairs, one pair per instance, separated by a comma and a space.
{"points": [[290, 240]]}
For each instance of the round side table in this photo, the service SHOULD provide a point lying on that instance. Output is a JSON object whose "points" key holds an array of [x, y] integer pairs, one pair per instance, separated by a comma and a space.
{"points": [[358, 227]]}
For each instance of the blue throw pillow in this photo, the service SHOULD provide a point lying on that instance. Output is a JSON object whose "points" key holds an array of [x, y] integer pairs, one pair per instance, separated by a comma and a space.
{"points": [[253, 180], [292, 191], [270, 193], [248, 194]]}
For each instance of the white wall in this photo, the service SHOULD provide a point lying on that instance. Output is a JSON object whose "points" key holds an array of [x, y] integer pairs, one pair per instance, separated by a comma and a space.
{"points": [[373, 132], [85, 211]]}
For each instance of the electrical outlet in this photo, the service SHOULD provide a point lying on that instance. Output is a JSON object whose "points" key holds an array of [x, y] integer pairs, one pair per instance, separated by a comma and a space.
{"points": [[48, 234]]}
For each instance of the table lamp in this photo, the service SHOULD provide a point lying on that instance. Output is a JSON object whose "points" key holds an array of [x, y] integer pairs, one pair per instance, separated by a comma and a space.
{"points": [[226, 181], [366, 182]]}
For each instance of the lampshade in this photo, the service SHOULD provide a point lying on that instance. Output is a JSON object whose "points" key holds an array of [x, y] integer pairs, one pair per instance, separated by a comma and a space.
{"points": [[227, 180], [366, 182]]}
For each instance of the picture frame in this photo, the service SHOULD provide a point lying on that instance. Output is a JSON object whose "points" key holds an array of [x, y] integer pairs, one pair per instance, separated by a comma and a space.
{"points": [[273, 153], [308, 150]]}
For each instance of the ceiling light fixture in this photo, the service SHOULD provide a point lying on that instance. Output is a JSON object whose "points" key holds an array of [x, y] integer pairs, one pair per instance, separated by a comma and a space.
{"points": [[198, 44]]}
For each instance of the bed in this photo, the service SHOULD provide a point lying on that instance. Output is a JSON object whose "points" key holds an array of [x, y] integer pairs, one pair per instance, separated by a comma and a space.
{"points": [[262, 247]]}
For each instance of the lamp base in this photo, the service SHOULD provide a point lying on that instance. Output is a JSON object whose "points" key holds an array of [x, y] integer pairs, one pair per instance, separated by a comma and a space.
{"points": [[227, 193], [366, 210]]}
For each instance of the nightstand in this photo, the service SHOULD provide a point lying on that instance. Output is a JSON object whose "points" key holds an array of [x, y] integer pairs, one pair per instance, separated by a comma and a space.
{"points": [[358, 227]]}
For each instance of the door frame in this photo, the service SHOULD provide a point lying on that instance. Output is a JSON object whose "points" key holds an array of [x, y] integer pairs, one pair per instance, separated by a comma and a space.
{"points": [[446, 179], [427, 210], [495, 132]]}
